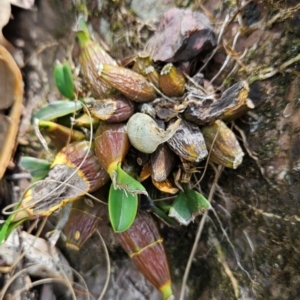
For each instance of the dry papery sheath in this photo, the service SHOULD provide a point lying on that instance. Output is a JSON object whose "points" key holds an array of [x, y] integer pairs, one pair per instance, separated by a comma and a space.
{"points": [[80, 174], [163, 161], [233, 103], [171, 81], [165, 186], [165, 111], [188, 142], [144, 66], [223, 145]]}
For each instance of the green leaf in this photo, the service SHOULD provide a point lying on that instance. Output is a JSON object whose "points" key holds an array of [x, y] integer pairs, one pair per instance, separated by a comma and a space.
{"points": [[13, 226], [180, 210], [164, 217], [4, 230], [197, 203], [7, 227], [57, 109], [122, 208], [69, 81], [163, 205], [63, 78], [121, 180], [38, 168], [188, 205]]}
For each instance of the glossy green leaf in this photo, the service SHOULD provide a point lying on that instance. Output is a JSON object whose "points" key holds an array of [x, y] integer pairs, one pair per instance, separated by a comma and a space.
{"points": [[122, 208], [7, 227], [180, 210], [188, 205], [4, 230], [12, 226], [122, 180], [197, 203], [69, 81], [38, 168], [64, 80], [57, 109]]}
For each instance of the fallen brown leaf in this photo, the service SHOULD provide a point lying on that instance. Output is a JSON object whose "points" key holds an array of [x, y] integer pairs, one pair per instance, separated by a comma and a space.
{"points": [[11, 95], [181, 35]]}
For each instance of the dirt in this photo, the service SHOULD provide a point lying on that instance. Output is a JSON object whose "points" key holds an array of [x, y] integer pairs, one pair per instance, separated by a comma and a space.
{"points": [[249, 248]]}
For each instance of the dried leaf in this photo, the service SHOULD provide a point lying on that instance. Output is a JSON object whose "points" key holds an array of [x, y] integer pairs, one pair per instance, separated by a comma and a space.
{"points": [[181, 35], [165, 186], [42, 260], [188, 143], [11, 94], [163, 161], [233, 103], [9, 250]]}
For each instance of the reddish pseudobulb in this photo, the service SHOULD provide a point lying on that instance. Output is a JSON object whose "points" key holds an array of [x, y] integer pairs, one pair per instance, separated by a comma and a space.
{"points": [[112, 145], [144, 245]]}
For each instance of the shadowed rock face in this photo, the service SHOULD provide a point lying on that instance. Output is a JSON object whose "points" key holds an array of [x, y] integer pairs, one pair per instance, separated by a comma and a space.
{"points": [[258, 204]]}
